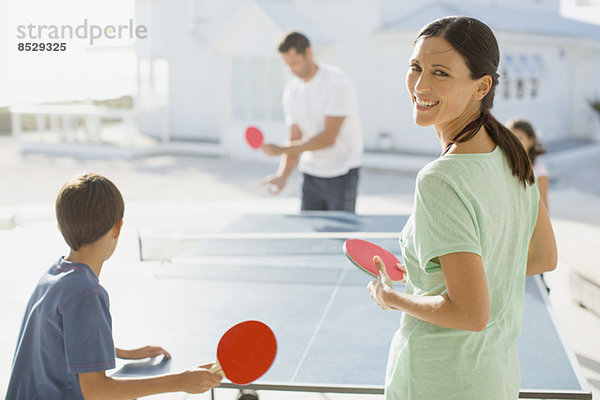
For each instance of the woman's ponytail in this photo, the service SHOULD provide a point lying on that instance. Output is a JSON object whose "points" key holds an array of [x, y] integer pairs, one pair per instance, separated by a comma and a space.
{"points": [[517, 157]]}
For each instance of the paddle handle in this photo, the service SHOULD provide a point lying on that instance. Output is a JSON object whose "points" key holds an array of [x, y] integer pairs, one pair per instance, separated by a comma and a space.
{"points": [[216, 368]]}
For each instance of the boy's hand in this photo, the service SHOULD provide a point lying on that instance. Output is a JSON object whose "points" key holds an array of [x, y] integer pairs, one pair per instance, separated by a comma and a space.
{"points": [[142, 352], [199, 379]]}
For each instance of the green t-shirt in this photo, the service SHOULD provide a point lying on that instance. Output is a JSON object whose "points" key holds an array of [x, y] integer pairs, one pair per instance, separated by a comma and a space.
{"points": [[464, 203]]}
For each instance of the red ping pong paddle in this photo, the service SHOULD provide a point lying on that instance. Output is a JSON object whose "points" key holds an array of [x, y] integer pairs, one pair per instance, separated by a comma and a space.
{"points": [[245, 352], [254, 137], [361, 253]]}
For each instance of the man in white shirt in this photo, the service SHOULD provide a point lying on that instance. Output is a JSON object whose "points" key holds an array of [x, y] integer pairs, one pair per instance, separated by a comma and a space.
{"points": [[325, 134]]}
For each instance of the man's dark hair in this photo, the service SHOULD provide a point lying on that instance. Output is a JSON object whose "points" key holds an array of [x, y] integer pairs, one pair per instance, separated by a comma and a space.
{"points": [[294, 40]]}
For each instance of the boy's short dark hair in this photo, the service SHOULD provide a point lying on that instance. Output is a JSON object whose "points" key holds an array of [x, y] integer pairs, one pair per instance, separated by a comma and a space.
{"points": [[87, 207], [294, 40]]}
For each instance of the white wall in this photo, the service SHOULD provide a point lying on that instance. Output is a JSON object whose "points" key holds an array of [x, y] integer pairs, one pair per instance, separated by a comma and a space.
{"points": [[194, 73], [549, 111], [194, 83], [558, 112], [394, 108], [547, 5], [201, 92], [391, 9], [254, 36], [584, 63], [351, 30]]}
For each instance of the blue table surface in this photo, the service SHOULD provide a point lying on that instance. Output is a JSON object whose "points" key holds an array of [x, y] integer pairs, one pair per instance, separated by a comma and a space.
{"points": [[318, 306]]}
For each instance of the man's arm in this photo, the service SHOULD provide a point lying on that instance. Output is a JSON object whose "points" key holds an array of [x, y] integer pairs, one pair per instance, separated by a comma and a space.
{"points": [[96, 385], [327, 138], [322, 140], [290, 161], [287, 163]]}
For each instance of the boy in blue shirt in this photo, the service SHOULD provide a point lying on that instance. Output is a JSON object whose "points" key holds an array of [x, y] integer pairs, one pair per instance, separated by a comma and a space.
{"points": [[65, 344]]}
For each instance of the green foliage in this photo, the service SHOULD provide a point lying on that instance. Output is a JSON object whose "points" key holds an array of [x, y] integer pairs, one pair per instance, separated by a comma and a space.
{"points": [[595, 104]]}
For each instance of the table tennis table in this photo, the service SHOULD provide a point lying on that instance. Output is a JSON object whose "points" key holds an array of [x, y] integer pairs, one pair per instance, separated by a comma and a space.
{"points": [[289, 271]]}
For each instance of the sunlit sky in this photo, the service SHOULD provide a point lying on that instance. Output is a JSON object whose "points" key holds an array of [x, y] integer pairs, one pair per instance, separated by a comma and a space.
{"points": [[107, 69]]}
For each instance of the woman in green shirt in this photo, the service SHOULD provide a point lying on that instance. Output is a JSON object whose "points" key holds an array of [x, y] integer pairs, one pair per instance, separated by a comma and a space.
{"points": [[476, 231]]}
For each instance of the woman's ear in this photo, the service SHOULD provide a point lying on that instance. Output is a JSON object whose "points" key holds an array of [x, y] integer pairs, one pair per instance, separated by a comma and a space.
{"points": [[483, 87]]}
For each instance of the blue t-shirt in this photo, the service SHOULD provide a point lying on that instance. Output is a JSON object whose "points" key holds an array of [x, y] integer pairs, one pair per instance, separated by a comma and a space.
{"points": [[67, 329]]}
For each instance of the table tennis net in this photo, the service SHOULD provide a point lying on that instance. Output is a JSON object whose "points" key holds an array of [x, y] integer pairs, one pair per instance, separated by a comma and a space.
{"points": [[164, 247]]}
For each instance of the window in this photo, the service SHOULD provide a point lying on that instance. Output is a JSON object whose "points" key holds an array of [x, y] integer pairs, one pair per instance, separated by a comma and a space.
{"points": [[515, 72], [537, 65], [520, 88], [505, 83], [257, 87], [521, 76], [533, 88], [153, 82]]}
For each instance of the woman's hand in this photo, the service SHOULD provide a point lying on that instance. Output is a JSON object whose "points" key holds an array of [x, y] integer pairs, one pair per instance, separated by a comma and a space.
{"points": [[402, 268], [142, 352], [381, 287]]}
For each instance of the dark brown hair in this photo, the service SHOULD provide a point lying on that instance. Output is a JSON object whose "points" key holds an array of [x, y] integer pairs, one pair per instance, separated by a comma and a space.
{"points": [[294, 40], [537, 148], [477, 44], [87, 207]]}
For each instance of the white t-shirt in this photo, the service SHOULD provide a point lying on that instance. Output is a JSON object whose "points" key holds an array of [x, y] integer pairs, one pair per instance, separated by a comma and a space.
{"points": [[330, 93], [539, 170]]}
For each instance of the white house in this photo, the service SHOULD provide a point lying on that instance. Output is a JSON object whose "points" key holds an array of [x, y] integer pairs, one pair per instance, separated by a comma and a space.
{"points": [[211, 68]]}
